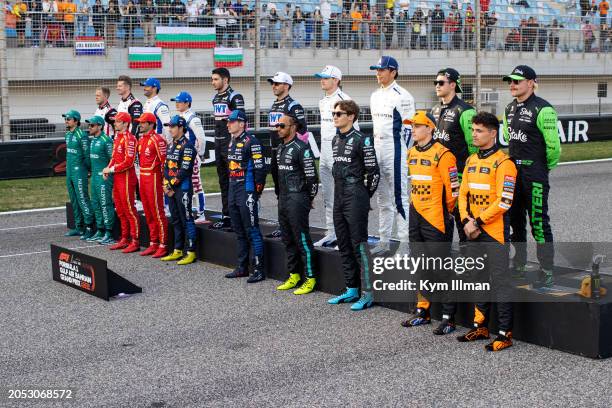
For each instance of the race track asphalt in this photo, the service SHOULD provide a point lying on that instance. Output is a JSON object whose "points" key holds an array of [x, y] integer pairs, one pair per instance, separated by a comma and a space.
{"points": [[195, 339]]}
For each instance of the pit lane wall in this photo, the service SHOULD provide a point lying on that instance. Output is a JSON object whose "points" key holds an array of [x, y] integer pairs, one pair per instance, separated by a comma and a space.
{"points": [[47, 157]]}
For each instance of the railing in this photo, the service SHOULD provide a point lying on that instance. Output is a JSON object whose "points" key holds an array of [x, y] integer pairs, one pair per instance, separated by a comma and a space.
{"points": [[50, 30]]}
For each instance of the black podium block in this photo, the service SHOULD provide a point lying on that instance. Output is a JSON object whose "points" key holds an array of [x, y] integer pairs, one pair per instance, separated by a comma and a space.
{"points": [[581, 326]]}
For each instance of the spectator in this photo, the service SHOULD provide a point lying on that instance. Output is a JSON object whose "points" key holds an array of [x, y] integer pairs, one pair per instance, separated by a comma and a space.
{"points": [[470, 28], [220, 14], [490, 20], [593, 9], [20, 11], [484, 6], [356, 17], [83, 18], [585, 7], [513, 40], [232, 28], [97, 17], [112, 17], [239, 8], [604, 6], [334, 31], [318, 27], [68, 9], [388, 26], [364, 27], [375, 34], [450, 26], [553, 36], [249, 22], [588, 35], [415, 32], [603, 38], [274, 27], [179, 13], [206, 16], [437, 25], [402, 27], [457, 37], [530, 33], [192, 13], [163, 11], [148, 12], [130, 14], [345, 29], [286, 22], [36, 16], [542, 37], [299, 28]]}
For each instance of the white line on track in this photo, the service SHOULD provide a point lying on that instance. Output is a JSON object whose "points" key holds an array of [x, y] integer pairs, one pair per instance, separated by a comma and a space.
{"points": [[43, 252], [32, 226], [32, 211], [585, 161]]}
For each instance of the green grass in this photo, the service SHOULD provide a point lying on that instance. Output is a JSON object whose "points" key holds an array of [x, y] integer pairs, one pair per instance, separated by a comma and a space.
{"points": [[51, 191]]}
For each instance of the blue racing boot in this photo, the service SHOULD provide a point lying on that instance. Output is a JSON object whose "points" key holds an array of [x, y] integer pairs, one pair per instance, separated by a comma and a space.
{"points": [[349, 295], [366, 300]]}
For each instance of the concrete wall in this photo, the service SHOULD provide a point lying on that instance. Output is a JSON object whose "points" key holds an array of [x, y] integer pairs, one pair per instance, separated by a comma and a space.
{"points": [[46, 82]]}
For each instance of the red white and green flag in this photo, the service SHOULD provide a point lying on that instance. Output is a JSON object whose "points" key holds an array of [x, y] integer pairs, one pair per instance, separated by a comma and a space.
{"points": [[145, 57], [228, 57], [185, 37]]}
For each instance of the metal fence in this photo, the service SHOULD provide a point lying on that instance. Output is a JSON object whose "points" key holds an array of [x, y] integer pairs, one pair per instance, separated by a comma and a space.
{"points": [[567, 48]]}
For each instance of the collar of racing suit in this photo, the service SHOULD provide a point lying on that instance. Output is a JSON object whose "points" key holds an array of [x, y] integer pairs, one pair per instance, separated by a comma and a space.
{"points": [[227, 90], [426, 146], [240, 136], [343, 135], [149, 133], [533, 95], [482, 154], [388, 87], [451, 103], [104, 105], [128, 97], [333, 94]]}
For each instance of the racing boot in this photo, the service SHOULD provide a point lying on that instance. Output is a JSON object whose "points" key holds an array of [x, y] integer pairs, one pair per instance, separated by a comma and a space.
{"points": [[519, 272], [257, 276], [201, 220], [420, 317], [328, 240], [190, 258], [89, 232], [237, 273], [545, 279], [476, 333], [96, 237], [349, 295], [445, 327], [502, 341], [307, 287], [177, 254], [275, 234], [381, 249], [161, 252], [107, 239], [366, 300], [290, 283], [224, 223], [150, 250], [123, 243], [133, 247], [74, 233]]}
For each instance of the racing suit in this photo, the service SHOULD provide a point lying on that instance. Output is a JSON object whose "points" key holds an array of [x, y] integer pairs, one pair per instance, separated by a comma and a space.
{"points": [[161, 111], [132, 106], [224, 103], [391, 107], [530, 128], [247, 177], [107, 112], [286, 106], [434, 193], [356, 176], [100, 153], [298, 185], [195, 134], [486, 195], [326, 162], [125, 183], [177, 175], [152, 154], [77, 167], [454, 131]]}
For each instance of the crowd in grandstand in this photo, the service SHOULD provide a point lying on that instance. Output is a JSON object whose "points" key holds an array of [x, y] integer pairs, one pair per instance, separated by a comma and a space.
{"points": [[344, 24]]}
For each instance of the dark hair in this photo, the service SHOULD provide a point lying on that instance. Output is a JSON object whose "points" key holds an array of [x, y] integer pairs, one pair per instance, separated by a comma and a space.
{"points": [[126, 79], [486, 119], [222, 72], [105, 91], [349, 106], [292, 118]]}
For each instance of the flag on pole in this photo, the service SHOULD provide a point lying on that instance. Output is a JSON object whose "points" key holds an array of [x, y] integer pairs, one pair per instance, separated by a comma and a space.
{"points": [[145, 57], [185, 37], [228, 57]]}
